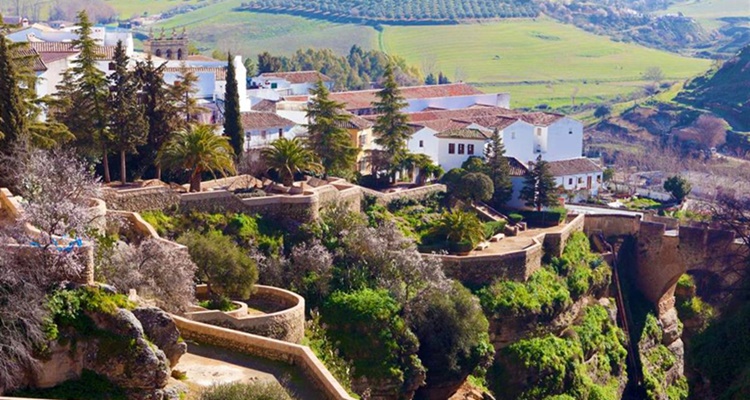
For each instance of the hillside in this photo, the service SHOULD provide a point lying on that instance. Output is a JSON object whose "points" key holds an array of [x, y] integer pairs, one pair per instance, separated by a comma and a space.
{"points": [[725, 92]]}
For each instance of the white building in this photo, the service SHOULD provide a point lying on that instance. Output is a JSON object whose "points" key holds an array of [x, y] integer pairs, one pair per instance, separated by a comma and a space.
{"points": [[293, 83], [580, 176], [261, 128], [212, 77]]}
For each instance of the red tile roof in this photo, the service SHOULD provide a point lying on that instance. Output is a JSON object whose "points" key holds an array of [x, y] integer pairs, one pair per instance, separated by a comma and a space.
{"points": [[200, 57], [297, 98], [574, 166], [52, 57], [462, 133], [265, 105], [364, 98], [261, 120], [219, 72], [517, 168], [440, 125], [105, 52], [297, 76], [357, 122], [30, 58], [541, 118]]}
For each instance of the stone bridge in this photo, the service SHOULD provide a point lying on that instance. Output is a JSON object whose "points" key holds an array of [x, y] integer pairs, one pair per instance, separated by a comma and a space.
{"points": [[665, 251]]}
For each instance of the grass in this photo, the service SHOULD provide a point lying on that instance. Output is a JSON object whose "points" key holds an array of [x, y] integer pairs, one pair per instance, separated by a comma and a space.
{"points": [[130, 8], [250, 33], [537, 61], [708, 12]]}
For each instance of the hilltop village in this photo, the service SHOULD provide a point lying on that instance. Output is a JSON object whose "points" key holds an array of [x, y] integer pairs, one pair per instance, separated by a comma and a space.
{"points": [[273, 237]]}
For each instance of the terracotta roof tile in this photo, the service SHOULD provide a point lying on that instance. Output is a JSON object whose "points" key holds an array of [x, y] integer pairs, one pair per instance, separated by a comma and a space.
{"points": [[265, 105], [574, 166], [105, 52], [260, 120], [517, 168], [357, 122], [440, 125], [219, 72], [31, 58], [52, 57], [364, 98], [297, 98], [297, 76], [462, 133], [541, 118], [200, 57]]}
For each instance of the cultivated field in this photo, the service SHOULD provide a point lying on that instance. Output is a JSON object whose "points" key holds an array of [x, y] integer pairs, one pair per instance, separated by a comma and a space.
{"points": [[130, 8], [708, 12]]}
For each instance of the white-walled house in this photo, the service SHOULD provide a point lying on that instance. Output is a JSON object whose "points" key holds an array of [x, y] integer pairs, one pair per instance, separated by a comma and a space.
{"points": [[580, 176], [518, 172], [212, 78], [292, 83], [262, 128], [556, 137]]}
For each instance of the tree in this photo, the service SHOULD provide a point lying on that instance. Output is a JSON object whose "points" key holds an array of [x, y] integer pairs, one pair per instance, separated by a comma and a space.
{"points": [[654, 74], [128, 124], [81, 101], [430, 79], [222, 265], [473, 187], [183, 96], [475, 164], [452, 178], [328, 138], [289, 157], [232, 118], [459, 227], [391, 129], [608, 174], [678, 187], [198, 149], [268, 63], [161, 114], [499, 170], [602, 111], [249, 66], [158, 271], [539, 189], [12, 115]]}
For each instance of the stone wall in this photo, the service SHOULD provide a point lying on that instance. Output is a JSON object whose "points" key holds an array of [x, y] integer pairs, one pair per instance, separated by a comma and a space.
{"points": [[141, 199], [554, 242], [287, 325], [299, 356], [417, 193], [611, 224], [479, 270], [140, 228]]}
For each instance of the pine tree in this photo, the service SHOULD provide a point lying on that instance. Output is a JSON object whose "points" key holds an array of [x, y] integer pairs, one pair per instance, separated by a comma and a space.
{"points": [[328, 138], [499, 170], [391, 129], [81, 102], [539, 189], [183, 96], [430, 79], [161, 114], [128, 123], [232, 118], [12, 114]]}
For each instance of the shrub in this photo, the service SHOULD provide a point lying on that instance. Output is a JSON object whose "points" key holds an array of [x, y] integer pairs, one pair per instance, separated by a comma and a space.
{"points": [[459, 227], [492, 228], [162, 222], [246, 391], [515, 218], [545, 218], [544, 293], [221, 264]]}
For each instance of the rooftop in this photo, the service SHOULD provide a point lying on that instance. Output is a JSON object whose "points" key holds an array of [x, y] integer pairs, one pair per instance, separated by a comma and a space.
{"points": [[219, 72], [516, 167], [105, 52], [573, 166], [364, 98], [462, 133], [261, 120], [297, 76]]}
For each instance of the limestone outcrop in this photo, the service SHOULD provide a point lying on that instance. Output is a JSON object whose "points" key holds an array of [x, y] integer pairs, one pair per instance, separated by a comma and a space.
{"points": [[162, 331]]}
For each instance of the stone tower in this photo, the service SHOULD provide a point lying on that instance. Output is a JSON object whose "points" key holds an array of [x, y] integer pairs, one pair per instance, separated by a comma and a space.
{"points": [[174, 47]]}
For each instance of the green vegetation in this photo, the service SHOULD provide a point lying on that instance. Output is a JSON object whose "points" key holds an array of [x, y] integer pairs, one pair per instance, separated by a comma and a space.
{"points": [[411, 11], [288, 157], [325, 349], [461, 230], [199, 150], [89, 387], [678, 187], [539, 187], [642, 203], [246, 391], [585, 365], [657, 360], [554, 287], [67, 309]]}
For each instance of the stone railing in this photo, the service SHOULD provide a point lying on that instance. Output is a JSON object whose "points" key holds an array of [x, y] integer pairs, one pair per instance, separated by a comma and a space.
{"points": [[294, 354], [141, 199], [287, 324], [142, 228], [417, 193]]}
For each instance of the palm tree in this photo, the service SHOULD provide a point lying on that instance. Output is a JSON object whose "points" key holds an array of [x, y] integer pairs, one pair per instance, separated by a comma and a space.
{"points": [[289, 156], [199, 149], [458, 227]]}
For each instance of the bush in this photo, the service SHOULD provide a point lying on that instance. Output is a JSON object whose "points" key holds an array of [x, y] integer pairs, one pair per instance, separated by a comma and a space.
{"points": [[246, 391], [551, 217], [544, 293], [221, 264], [492, 228], [515, 218]]}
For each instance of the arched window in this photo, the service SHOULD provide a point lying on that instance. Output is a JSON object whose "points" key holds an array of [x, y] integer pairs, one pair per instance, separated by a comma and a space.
{"points": [[169, 54], [158, 52], [179, 54]]}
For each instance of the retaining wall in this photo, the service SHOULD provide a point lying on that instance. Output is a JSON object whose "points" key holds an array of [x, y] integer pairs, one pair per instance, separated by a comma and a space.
{"points": [[297, 355], [417, 193], [141, 199], [554, 242], [287, 325]]}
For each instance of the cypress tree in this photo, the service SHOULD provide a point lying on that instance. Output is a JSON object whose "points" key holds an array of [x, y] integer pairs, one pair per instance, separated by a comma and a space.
{"points": [[232, 118], [12, 115], [82, 97], [499, 170], [161, 114], [391, 129], [539, 189], [128, 123], [328, 138]]}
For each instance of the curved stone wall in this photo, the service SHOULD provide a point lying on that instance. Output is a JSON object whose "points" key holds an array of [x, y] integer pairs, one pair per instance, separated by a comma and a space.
{"points": [[287, 325]]}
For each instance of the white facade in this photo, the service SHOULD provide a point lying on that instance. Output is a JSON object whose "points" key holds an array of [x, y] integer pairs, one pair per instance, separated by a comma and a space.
{"points": [[561, 140], [255, 138], [452, 152], [284, 87], [456, 102]]}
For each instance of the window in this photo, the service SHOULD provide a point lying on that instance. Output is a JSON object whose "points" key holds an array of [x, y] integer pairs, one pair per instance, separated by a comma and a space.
{"points": [[421, 143], [570, 181], [470, 149], [451, 148], [169, 54], [179, 54], [263, 134], [158, 52], [281, 133], [513, 135], [539, 131], [460, 148], [580, 180], [274, 85], [570, 132]]}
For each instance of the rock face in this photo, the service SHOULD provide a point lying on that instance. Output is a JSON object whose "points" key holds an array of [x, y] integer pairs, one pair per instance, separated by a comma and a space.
{"points": [[161, 330], [121, 350]]}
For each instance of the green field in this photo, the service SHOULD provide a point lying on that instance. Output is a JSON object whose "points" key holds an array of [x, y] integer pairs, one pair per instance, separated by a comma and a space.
{"points": [[537, 61], [707, 12], [129, 8], [249, 33]]}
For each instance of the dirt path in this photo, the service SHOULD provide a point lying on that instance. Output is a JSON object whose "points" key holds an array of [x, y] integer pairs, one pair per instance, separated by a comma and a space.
{"points": [[205, 365]]}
